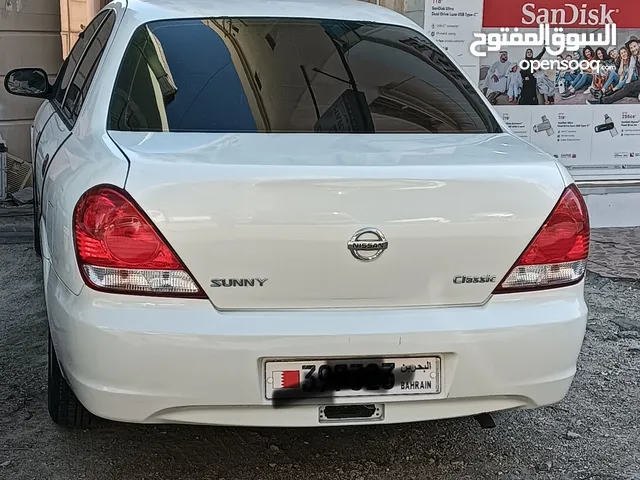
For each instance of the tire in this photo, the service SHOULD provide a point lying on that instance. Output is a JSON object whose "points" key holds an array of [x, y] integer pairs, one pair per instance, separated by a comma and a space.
{"points": [[64, 407], [37, 246], [36, 230]]}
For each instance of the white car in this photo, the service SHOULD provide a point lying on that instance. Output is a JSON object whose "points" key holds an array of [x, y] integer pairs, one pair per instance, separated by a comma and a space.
{"points": [[293, 213]]}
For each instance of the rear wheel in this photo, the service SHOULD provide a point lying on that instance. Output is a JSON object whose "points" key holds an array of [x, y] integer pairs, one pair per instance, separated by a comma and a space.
{"points": [[64, 407]]}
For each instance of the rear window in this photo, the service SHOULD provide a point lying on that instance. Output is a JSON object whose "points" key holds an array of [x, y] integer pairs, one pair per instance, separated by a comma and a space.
{"points": [[291, 76]]}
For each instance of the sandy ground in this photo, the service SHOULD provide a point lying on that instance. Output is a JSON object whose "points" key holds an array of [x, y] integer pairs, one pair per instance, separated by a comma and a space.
{"points": [[593, 434]]}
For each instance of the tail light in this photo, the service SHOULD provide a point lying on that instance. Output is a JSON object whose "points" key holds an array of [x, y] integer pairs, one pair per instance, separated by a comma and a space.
{"points": [[557, 255], [120, 251]]}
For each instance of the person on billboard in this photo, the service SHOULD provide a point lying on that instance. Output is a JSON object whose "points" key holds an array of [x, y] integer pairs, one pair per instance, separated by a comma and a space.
{"points": [[545, 86], [628, 71], [529, 94], [564, 78], [496, 82], [604, 79], [628, 88], [633, 44], [613, 55], [584, 79], [514, 84]]}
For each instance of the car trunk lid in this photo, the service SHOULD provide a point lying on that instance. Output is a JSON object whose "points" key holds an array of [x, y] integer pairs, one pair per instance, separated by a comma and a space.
{"points": [[272, 221]]}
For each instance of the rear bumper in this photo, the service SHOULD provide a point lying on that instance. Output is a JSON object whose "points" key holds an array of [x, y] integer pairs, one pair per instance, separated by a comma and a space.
{"points": [[154, 361]]}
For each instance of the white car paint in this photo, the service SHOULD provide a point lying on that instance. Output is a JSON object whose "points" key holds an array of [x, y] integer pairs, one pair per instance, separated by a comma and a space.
{"points": [[232, 204], [148, 359]]}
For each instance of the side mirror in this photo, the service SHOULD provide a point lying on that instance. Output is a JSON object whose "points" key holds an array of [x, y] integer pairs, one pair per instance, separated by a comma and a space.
{"points": [[28, 82]]}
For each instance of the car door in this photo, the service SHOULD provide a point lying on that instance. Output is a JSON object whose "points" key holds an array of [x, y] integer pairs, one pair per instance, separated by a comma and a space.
{"points": [[70, 87]]}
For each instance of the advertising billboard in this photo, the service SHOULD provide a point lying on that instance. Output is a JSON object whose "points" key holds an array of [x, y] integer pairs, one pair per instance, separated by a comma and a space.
{"points": [[580, 104]]}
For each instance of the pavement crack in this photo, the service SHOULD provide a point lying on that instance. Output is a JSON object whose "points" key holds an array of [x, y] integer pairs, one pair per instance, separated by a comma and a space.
{"points": [[603, 242]]}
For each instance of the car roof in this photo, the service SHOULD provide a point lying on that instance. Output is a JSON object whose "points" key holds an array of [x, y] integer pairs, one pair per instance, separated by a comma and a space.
{"points": [[150, 10]]}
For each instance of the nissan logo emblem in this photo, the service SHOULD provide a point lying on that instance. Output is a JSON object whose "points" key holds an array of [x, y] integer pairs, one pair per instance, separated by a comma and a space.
{"points": [[367, 244]]}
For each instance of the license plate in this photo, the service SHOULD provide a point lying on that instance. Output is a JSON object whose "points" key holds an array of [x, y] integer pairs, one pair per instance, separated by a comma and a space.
{"points": [[352, 377]]}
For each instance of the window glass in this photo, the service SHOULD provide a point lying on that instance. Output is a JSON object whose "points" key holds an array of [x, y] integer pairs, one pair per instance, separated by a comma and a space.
{"points": [[284, 75], [84, 74], [69, 66]]}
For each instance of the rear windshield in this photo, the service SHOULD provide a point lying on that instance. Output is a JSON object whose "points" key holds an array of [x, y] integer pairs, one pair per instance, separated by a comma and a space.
{"points": [[291, 76]]}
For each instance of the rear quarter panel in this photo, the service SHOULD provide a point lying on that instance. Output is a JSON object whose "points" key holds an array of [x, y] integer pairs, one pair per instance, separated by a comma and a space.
{"points": [[81, 163], [88, 158]]}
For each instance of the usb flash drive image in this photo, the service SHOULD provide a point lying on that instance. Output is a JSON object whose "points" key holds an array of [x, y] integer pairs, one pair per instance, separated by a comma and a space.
{"points": [[545, 126], [607, 126]]}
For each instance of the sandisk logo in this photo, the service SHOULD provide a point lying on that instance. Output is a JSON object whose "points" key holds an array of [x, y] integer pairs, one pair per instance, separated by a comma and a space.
{"points": [[568, 15]]}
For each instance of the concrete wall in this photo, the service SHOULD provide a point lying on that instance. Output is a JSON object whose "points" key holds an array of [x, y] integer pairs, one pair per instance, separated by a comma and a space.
{"points": [[74, 17], [414, 9], [29, 37]]}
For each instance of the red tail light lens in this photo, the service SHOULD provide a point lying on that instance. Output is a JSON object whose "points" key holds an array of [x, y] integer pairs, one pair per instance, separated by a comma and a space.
{"points": [[119, 249], [557, 255]]}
